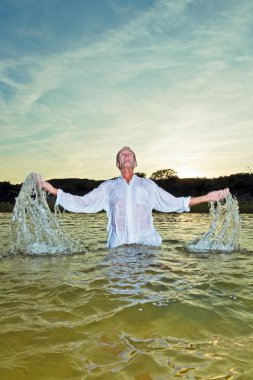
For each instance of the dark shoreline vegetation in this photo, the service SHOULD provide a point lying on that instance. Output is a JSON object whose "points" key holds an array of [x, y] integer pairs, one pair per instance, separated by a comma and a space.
{"points": [[240, 185]]}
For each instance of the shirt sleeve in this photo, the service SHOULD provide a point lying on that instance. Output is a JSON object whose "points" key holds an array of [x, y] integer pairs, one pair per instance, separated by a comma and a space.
{"points": [[92, 202], [165, 202]]}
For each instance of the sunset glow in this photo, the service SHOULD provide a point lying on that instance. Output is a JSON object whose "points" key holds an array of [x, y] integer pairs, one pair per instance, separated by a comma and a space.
{"points": [[172, 79]]}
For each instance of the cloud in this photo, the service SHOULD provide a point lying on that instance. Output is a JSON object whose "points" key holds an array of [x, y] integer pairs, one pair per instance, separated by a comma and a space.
{"points": [[174, 85]]}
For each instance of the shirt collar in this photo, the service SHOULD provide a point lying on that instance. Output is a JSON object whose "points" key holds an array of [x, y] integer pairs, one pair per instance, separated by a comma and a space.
{"points": [[132, 180]]}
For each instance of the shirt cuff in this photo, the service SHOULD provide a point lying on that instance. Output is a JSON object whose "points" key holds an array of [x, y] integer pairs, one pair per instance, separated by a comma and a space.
{"points": [[59, 193], [186, 203]]}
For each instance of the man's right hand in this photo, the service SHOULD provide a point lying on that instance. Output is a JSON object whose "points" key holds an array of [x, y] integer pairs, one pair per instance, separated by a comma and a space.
{"points": [[46, 186]]}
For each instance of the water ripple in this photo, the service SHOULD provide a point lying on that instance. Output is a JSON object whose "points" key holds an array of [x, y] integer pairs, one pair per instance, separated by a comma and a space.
{"points": [[134, 312]]}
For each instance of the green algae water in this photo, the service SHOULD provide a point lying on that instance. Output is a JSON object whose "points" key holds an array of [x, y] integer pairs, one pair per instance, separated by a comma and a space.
{"points": [[133, 312]]}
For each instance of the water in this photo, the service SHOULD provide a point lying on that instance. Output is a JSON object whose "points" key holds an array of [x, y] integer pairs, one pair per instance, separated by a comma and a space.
{"points": [[223, 232], [35, 230], [129, 313]]}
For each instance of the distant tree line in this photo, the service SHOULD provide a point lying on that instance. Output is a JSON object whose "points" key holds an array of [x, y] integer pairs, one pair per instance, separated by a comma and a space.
{"points": [[240, 185]]}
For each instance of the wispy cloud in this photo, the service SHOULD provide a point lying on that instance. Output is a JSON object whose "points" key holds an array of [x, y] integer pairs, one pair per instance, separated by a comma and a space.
{"points": [[169, 80]]}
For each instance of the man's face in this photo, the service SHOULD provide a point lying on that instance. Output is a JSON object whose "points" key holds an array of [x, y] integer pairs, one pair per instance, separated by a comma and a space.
{"points": [[126, 159]]}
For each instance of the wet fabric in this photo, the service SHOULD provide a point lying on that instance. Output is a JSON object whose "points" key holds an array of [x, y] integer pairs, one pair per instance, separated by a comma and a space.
{"points": [[128, 207]]}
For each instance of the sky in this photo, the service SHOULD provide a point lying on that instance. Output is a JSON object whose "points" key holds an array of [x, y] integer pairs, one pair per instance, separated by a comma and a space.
{"points": [[80, 79]]}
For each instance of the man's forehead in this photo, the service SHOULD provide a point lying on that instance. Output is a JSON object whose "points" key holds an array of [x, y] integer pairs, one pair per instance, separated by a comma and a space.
{"points": [[126, 150]]}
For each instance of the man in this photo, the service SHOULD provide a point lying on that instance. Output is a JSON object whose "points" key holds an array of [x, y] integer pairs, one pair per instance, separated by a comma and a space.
{"points": [[128, 201]]}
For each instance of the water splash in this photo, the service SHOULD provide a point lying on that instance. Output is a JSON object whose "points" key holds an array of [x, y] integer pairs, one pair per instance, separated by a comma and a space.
{"points": [[35, 229], [223, 233]]}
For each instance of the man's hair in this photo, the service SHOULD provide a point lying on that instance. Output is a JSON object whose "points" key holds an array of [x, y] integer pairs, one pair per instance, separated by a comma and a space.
{"points": [[124, 148]]}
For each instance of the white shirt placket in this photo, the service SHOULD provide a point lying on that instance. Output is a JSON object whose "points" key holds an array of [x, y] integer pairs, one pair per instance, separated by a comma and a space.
{"points": [[129, 213]]}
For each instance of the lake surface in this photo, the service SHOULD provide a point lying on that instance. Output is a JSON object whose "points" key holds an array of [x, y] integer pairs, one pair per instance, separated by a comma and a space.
{"points": [[133, 312]]}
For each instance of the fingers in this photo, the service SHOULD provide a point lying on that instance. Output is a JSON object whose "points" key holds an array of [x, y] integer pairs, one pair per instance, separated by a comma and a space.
{"points": [[226, 192], [223, 193], [37, 178], [44, 185]]}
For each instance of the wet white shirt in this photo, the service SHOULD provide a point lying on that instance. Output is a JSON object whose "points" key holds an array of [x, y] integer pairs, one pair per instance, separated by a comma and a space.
{"points": [[128, 207]]}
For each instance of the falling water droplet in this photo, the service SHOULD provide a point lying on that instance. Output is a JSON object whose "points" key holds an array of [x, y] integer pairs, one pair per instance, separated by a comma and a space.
{"points": [[35, 229], [223, 233]]}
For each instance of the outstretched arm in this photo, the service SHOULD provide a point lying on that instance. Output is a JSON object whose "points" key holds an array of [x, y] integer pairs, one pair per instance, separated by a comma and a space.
{"points": [[210, 197], [92, 202]]}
